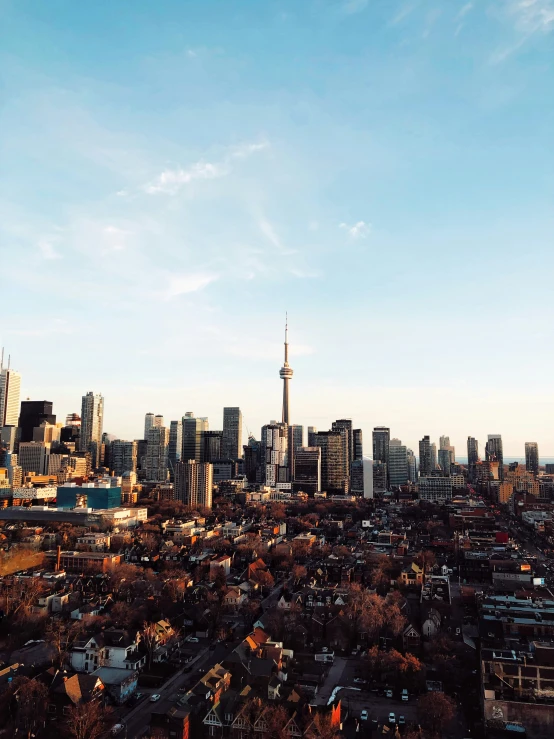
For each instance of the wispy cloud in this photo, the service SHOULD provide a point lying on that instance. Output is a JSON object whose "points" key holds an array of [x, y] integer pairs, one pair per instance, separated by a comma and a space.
{"points": [[464, 10], [114, 239], [359, 230], [48, 250], [529, 18], [351, 7], [404, 12], [190, 283], [170, 181]]}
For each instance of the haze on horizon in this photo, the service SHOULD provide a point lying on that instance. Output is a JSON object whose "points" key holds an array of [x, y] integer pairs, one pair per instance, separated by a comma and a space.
{"points": [[178, 175]]}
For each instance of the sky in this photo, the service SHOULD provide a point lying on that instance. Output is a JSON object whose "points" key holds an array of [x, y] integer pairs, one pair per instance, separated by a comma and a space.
{"points": [[176, 175]]}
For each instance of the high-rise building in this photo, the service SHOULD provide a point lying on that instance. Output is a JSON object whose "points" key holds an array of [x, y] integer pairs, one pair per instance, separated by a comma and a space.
{"points": [[295, 437], [10, 392], [494, 452], [445, 461], [156, 454], [344, 425], [358, 444], [73, 419], [231, 443], [175, 446], [92, 420], [192, 437], [274, 453], [212, 446], [444, 444], [33, 457], [312, 431], [152, 421], [47, 432], [334, 464], [33, 413], [412, 465], [307, 470], [8, 438], [379, 477], [194, 483], [434, 458], [253, 460], [123, 457], [381, 442], [286, 373], [357, 477], [472, 456], [425, 457], [398, 463], [532, 457], [435, 488]]}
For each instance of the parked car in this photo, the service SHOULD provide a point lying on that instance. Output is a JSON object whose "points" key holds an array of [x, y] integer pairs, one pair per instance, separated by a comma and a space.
{"points": [[401, 721], [193, 639], [117, 729], [359, 680], [364, 715], [392, 718], [388, 693], [155, 697], [405, 696]]}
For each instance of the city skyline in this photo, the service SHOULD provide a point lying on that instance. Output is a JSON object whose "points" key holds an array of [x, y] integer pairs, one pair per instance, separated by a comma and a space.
{"points": [[379, 169]]}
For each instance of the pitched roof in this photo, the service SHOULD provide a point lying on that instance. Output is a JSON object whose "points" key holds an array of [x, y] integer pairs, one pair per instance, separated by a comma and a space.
{"points": [[78, 688]]}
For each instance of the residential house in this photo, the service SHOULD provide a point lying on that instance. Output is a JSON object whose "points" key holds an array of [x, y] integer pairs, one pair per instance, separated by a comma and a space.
{"points": [[109, 648]]}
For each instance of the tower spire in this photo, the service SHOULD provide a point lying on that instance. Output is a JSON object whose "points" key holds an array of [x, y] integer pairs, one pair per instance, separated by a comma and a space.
{"points": [[286, 373]]}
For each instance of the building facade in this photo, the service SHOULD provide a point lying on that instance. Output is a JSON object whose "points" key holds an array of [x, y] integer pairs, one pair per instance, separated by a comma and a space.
{"points": [[92, 421], [231, 444]]}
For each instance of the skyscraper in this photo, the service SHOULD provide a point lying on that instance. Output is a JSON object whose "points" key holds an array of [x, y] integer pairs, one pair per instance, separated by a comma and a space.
{"points": [[274, 453], [494, 452], [92, 419], [194, 483], [175, 446], [295, 437], [192, 437], [307, 470], [10, 391], [425, 457], [412, 465], [445, 461], [157, 443], [152, 421], [434, 459], [358, 444], [344, 425], [472, 456], [231, 443], [286, 373], [212, 446], [312, 431], [398, 463], [33, 413], [532, 457], [381, 442], [123, 456], [334, 464]]}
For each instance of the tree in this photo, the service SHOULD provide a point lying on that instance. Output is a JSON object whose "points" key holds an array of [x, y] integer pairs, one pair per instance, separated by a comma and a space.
{"points": [[323, 727], [87, 720], [32, 699], [435, 711], [149, 638], [298, 572], [62, 636], [264, 579]]}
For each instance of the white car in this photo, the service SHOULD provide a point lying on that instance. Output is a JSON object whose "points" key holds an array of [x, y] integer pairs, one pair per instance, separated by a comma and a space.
{"points": [[392, 718], [193, 639], [155, 697], [388, 693], [117, 729], [364, 715]]}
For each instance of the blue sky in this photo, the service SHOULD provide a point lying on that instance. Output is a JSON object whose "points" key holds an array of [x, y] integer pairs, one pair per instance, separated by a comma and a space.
{"points": [[175, 175]]}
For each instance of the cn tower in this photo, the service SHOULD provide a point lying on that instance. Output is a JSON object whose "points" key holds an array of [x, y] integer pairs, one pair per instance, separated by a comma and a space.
{"points": [[285, 373]]}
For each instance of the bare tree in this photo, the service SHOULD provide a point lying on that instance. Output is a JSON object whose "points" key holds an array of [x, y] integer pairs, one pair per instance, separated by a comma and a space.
{"points": [[62, 636], [435, 712], [32, 698], [149, 638], [87, 720]]}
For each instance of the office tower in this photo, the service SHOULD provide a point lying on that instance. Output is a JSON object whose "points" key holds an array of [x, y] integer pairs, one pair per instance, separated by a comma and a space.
{"points": [[445, 461], [194, 483], [494, 453], [212, 446], [295, 436], [307, 470], [92, 419], [49, 433], [381, 442], [357, 477], [252, 460], [192, 437], [32, 414], [286, 373], [358, 444], [8, 437], [532, 457], [425, 457], [345, 426], [379, 477], [444, 442], [33, 457], [334, 464], [398, 463], [231, 445], [434, 459], [412, 465], [152, 421], [274, 453], [472, 456], [123, 457], [156, 454], [10, 391], [312, 431], [175, 447], [368, 477]]}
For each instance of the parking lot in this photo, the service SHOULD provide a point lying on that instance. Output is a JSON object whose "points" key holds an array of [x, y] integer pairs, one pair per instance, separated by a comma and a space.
{"points": [[377, 707]]}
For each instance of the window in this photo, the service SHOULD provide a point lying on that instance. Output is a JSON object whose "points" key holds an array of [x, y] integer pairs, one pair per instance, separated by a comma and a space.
{"points": [[52, 708]]}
